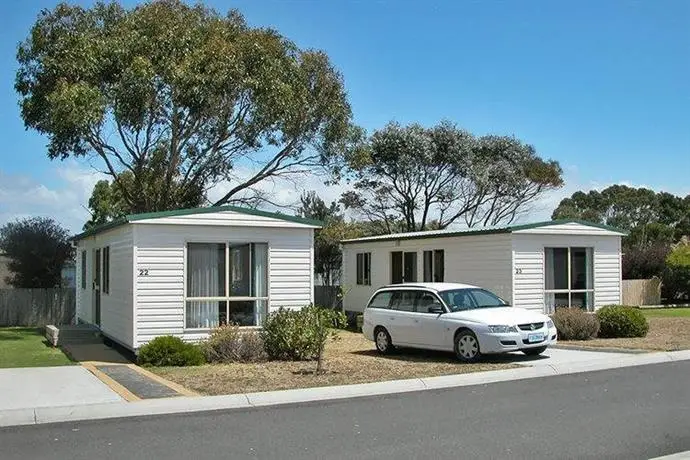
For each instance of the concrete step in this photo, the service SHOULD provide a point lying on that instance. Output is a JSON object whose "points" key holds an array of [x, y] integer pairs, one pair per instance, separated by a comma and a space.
{"points": [[94, 339], [81, 334]]}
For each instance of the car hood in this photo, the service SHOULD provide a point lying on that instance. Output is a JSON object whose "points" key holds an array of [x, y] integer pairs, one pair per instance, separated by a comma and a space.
{"points": [[502, 315]]}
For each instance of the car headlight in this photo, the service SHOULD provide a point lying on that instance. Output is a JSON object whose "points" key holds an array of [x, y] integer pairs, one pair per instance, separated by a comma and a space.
{"points": [[550, 324], [502, 329]]}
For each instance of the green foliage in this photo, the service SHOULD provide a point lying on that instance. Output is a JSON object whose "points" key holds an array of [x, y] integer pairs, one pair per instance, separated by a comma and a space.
{"points": [[645, 263], [680, 254], [170, 351], [407, 174], [298, 335], [651, 217], [676, 278], [620, 321], [177, 95], [230, 344], [328, 255], [37, 248], [107, 202], [575, 324]]}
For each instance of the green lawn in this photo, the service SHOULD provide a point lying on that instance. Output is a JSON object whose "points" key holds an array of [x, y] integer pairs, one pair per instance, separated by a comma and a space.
{"points": [[26, 347], [667, 312]]}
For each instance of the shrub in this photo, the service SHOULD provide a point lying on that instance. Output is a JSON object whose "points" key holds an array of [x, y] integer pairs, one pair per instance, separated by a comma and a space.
{"points": [[575, 324], [619, 321], [676, 277], [170, 351], [229, 344], [300, 334]]}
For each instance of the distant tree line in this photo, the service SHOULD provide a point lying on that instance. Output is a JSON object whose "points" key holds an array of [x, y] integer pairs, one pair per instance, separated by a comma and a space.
{"points": [[658, 224]]}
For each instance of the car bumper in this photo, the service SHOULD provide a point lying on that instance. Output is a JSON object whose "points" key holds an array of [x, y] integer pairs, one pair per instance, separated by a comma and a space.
{"points": [[516, 341], [368, 330]]}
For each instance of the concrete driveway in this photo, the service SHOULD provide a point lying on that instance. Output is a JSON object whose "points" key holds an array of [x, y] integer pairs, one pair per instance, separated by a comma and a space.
{"points": [[562, 356], [23, 388]]}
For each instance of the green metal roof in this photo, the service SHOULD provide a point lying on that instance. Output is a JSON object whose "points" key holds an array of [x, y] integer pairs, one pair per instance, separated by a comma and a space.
{"points": [[186, 212], [482, 231]]}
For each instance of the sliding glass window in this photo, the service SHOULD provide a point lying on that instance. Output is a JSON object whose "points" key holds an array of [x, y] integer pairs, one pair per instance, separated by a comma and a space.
{"points": [[569, 280], [226, 283]]}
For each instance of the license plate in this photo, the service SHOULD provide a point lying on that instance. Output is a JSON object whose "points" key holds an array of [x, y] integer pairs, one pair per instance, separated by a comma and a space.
{"points": [[531, 338]]}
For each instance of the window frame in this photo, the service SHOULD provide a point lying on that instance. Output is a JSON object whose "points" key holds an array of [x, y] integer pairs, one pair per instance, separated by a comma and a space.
{"points": [[363, 268], [590, 291], [105, 270], [434, 269], [82, 269], [227, 299]]}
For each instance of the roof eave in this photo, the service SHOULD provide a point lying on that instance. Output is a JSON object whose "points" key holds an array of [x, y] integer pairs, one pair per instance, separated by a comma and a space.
{"points": [[133, 218]]}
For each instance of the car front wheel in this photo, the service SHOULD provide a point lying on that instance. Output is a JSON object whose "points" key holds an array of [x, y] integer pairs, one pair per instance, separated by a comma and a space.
{"points": [[467, 347], [384, 345], [534, 351]]}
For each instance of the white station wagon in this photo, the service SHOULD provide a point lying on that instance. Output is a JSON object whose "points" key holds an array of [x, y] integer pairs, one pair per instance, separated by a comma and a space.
{"points": [[465, 319]]}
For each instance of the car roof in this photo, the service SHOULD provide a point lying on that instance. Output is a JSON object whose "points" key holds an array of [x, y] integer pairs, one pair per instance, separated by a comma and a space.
{"points": [[438, 287]]}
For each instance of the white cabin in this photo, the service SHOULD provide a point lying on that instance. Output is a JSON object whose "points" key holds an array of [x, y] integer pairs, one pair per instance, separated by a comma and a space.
{"points": [[537, 266], [185, 272]]}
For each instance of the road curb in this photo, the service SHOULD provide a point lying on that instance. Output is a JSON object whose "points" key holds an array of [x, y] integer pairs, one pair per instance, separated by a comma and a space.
{"points": [[190, 404], [630, 351]]}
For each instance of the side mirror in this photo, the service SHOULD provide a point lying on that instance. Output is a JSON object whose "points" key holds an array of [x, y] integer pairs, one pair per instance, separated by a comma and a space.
{"points": [[436, 308]]}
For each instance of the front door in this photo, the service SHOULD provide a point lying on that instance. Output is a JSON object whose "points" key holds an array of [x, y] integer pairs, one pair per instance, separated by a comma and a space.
{"points": [[410, 270], [403, 267], [97, 287]]}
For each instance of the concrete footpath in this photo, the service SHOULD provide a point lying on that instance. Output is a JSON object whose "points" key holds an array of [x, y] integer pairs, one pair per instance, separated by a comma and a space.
{"points": [[22, 388], [188, 404]]}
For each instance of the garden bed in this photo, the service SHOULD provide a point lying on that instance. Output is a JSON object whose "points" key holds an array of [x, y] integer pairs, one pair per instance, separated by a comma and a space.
{"points": [[669, 330], [350, 360]]}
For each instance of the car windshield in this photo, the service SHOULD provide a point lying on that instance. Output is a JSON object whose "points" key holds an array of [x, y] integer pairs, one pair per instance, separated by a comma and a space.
{"points": [[471, 298]]}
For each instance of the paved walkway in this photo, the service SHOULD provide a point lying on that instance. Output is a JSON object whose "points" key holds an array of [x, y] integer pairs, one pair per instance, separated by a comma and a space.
{"points": [[52, 386], [138, 382], [559, 356], [84, 352]]}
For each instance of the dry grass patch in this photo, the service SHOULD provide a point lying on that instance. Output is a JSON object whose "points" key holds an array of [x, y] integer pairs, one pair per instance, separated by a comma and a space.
{"points": [[350, 360], [665, 333]]}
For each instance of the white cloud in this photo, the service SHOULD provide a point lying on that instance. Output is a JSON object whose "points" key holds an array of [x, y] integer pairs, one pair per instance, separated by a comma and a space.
{"points": [[65, 201], [66, 198], [284, 192]]}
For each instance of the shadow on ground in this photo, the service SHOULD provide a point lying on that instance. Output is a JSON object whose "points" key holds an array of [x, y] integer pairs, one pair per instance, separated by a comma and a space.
{"points": [[419, 355]]}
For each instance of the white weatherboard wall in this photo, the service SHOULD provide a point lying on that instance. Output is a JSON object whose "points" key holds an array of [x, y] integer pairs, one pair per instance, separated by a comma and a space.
{"points": [[161, 247], [528, 259], [511, 264], [483, 260], [116, 306]]}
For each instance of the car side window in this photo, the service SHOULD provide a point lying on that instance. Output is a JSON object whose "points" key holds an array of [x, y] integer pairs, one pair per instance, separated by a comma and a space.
{"points": [[485, 299], [404, 300], [424, 301], [381, 300]]}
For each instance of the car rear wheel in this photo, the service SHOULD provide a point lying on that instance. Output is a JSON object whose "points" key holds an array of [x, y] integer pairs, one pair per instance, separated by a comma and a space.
{"points": [[384, 345], [467, 347], [534, 351]]}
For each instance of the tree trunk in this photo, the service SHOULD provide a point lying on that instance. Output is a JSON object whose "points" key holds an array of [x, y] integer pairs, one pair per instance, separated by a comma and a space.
{"points": [[319, 362]]}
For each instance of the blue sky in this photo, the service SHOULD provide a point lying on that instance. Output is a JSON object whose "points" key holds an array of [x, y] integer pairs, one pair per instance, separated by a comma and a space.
{"points": [[601, 86]]}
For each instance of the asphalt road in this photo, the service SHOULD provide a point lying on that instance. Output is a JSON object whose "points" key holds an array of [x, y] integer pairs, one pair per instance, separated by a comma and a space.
{"points": [[629, 413]]}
